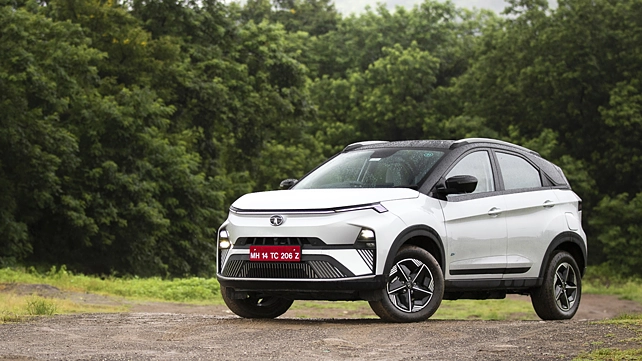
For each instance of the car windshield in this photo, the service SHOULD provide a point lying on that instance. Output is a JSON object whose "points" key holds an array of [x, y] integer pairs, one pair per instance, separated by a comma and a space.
{"points": [[375, 168]]}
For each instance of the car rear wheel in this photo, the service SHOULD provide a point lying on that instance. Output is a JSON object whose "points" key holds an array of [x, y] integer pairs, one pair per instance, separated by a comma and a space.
{"points": [[559, 296], [257, 307], [414, 289]]}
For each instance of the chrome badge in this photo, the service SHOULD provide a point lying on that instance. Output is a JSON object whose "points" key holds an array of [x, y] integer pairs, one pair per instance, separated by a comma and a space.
{"points": [[276, 220]]}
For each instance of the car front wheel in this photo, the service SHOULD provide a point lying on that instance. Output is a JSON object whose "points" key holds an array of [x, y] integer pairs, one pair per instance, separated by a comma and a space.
{"points": [[559, 296], [414, 289], [257, 307]]}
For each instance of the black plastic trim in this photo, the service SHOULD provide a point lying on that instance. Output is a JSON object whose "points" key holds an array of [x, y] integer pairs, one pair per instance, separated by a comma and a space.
{"points": [[489, 271], [242, 242], [304, 258], [562, 238], [491, 284], [344, 284], [376, 206], [314, 243], [407, 234], [494, 142], [470, 196], [309, 246]]}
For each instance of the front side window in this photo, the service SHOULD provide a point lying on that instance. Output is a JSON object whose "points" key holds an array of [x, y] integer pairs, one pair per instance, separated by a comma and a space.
{"points": [[478, 165], [517, 173], [375, 168]]}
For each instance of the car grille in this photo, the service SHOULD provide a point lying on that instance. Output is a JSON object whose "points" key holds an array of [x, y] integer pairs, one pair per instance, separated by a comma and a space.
{"points": [[302, 270], [278, 241]]}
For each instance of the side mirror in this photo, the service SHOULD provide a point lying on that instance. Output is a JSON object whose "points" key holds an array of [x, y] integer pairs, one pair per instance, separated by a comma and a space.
{"points": [[288, 183], [459, 184]]}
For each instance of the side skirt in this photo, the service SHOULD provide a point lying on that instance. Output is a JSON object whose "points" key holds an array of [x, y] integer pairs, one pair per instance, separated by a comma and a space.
{"points": [[507, 285]]}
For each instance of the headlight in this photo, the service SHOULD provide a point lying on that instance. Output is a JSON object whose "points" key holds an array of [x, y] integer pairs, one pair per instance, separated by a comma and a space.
{"points": [[223, 239]]}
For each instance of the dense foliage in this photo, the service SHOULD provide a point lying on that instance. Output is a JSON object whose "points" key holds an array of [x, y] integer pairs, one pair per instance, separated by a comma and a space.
{"points": [[127, 128]]}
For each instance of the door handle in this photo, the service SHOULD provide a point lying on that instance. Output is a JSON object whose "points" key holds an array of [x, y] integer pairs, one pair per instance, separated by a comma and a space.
{"points": [[549, 204], [494, 212]]}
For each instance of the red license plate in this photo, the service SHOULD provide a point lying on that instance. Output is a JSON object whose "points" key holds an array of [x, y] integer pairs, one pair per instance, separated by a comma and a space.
{"points": [[275, 253]]}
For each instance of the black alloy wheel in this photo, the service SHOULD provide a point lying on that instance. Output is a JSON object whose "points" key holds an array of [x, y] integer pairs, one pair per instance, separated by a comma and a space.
{"points": [[414, 289], [558, 298]]}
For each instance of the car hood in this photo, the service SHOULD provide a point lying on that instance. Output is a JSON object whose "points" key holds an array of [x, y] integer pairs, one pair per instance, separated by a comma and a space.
{"points": [[319, 199]]}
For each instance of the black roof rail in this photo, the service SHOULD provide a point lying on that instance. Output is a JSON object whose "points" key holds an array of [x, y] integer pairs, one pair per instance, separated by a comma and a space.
{"points": [[361, 144], [461, 142]]}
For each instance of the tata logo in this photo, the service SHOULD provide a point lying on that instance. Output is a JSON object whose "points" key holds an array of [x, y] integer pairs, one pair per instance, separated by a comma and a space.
{"points": [[276, 220]]}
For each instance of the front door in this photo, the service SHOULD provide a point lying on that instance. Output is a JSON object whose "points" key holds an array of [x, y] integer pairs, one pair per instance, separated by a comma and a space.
{"points": [[475, 223]]}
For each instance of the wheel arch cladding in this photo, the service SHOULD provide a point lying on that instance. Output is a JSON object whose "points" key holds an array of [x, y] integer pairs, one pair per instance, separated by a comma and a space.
{"points": [[571, 243], [420, 236]]}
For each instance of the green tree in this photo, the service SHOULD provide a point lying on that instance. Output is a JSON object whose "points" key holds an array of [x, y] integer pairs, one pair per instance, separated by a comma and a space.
{"points": [[45, 68], [94, 177], [391, 100], [386, 75], [243, 92], [315, 17], [568, 70], [572, 71], [617, 220], [439, 28]]}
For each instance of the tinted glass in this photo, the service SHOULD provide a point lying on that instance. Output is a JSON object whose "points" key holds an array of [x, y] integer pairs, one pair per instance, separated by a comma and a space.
{"points": [[379, 168], [476, 164], [517, 173]]}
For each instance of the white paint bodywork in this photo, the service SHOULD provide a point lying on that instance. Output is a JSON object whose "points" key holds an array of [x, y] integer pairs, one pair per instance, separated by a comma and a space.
{"points": [[495, 232], [311, 199]]}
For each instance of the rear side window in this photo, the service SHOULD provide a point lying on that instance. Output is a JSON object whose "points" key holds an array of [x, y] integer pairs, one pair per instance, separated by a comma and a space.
{"points": [[517, 173]]}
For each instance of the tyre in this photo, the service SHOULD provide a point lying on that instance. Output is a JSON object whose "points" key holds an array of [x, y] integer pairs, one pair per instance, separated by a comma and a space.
{"points": [[558, 298], [414, 289], [257, 307]]}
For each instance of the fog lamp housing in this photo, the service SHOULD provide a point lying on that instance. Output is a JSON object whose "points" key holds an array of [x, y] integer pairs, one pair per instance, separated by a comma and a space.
{"points": [[224, 239], [366, 238], [366, 235]]}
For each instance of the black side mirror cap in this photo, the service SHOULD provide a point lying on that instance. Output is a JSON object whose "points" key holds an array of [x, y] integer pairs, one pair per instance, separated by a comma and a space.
{"points": [[288, 183], [459, 184]]}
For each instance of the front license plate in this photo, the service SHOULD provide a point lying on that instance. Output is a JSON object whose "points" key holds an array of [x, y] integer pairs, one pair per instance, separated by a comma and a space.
{"points": [[275, 253]]}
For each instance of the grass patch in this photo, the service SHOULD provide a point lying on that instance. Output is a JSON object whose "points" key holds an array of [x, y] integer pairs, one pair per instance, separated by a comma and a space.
{"points": [[191, 290], [359, 309], [38, 306], [611, 355], [339, 305], [633, 322], [194, 290], [486, 310], [506, 309], [602, 281], [16, 308]]}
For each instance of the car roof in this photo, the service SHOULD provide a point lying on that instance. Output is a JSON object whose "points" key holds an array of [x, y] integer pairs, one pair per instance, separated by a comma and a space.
{"points": [[435, 144]]}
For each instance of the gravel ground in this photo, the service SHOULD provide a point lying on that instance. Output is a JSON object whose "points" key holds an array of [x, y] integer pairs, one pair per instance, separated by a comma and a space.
{"points": [[171, 336], [169, 331]]}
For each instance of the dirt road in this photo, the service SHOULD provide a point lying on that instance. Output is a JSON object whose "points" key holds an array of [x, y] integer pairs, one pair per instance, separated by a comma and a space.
{"points": [[182, 332], [164, 336]]}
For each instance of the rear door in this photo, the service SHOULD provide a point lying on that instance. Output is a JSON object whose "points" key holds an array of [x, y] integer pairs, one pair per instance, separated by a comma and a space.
{"points": [[531, 213]]}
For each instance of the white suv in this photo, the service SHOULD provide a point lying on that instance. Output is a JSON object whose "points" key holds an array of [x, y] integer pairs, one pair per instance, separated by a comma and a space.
{"points": [[404, 225]]}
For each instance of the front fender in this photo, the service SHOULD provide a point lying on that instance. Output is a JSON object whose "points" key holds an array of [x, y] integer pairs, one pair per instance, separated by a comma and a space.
{"points": [[419, 235]]}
